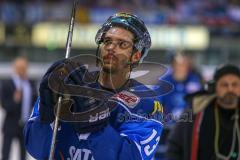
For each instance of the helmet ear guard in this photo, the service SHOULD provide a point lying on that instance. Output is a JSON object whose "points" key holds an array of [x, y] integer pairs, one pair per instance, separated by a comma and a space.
{"points": [[132, 23]]}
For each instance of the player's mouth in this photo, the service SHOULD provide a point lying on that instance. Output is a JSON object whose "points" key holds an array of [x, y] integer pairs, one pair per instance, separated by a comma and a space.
{"points": [[110, 58]]}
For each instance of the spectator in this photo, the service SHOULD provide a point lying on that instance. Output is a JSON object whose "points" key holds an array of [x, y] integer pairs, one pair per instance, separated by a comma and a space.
{"points": [[214, 133], [185, 81], [17, 95]]}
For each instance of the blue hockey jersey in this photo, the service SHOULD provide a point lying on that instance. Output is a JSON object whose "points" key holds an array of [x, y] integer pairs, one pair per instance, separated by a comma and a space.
{"points": [[174, 102], [132, 133]]}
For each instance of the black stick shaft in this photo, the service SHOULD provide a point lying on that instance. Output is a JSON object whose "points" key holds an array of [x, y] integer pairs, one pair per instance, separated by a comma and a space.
{"points": [[67, 55], [70, 31]]}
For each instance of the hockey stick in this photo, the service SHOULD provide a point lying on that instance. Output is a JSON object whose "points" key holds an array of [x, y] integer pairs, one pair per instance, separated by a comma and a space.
{"points": [[67, 55]]}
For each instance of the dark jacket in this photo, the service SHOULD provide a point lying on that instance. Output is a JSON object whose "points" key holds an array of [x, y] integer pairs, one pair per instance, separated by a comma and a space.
{"points": [[12, 109], [183, 138]]}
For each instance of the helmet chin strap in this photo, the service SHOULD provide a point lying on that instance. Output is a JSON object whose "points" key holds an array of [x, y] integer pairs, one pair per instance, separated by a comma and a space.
{"points": [[129, 62], [97, 55], [132, 65]]}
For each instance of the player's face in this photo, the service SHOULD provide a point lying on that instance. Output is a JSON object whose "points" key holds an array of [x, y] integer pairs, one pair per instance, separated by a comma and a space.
{"points": [[116, 49], [228, 90]]}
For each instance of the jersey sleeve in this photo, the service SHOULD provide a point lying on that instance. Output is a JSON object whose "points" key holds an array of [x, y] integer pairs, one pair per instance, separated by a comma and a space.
{"points": [[135, 141], [37, 135], [145, 135], [141, 125]]}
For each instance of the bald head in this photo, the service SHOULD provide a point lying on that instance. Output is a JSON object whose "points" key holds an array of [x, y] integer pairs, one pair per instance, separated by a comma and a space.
{"points": [[20, 66]]}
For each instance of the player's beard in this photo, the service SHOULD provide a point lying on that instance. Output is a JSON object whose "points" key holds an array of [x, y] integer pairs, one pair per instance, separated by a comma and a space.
{"points": [[229, 100], [115, 65], [110, 65], [109, 69]]}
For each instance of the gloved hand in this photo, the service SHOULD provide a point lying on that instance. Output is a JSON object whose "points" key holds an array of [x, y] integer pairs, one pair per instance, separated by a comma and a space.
{"points": [[48, 100]]}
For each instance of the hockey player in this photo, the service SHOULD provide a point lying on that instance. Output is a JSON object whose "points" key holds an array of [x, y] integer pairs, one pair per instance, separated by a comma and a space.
{"points": [[124, 134]]}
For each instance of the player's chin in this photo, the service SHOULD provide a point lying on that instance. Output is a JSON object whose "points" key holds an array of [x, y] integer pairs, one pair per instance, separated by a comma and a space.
{"points": [[109, 61], [109, 68], [109, 64]]}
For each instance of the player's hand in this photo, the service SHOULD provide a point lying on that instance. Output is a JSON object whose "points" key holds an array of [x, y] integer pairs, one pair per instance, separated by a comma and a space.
{"points": [[94, 121], [49, 98]]}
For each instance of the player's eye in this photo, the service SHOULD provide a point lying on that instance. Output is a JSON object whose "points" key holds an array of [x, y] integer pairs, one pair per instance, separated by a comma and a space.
{"points": [[118, 43], [107, 41], [124, 44]]}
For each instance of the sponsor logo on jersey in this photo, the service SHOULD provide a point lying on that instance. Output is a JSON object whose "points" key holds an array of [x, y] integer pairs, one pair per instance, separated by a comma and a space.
{"points": [[157, 107], [129, 99], [80, 154], [99, 116]]}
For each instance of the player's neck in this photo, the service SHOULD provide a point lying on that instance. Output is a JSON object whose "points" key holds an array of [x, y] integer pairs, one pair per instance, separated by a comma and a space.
{"points": [[113, 80]]}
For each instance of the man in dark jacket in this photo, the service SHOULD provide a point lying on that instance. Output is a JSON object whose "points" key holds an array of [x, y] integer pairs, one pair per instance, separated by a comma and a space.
{"points": [[17, 95], [214, 132]]}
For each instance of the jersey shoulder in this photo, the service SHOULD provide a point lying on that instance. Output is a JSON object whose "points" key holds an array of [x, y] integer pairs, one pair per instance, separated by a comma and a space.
{"points": [[143, 106]]}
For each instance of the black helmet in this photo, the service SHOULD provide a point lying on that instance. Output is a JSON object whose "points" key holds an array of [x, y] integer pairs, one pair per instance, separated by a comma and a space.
{"points": [[132, 23]]}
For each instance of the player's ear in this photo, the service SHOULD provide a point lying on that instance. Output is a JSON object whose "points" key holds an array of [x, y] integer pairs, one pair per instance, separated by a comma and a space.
{"points": [[136, 56]]}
